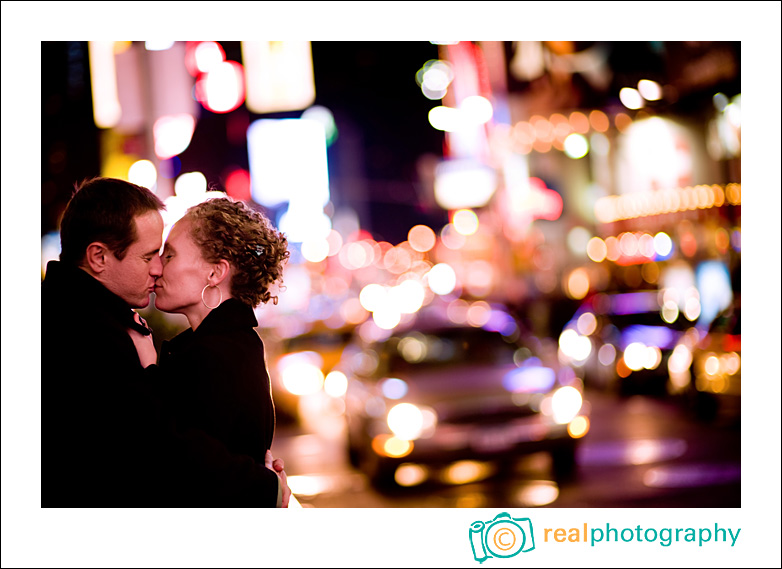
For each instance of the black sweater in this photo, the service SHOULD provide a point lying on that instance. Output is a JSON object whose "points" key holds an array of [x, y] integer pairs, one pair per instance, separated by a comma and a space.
{"points": [[217, 381], [107, 440]]}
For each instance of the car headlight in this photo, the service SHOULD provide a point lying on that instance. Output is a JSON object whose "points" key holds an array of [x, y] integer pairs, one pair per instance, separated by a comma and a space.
{"points": [[301, 373], [409, 422], [565, 404], [638, 356], [575, 346]]}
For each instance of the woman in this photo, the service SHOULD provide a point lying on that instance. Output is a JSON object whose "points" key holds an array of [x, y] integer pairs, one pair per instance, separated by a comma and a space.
{"points": [[219, 262]]}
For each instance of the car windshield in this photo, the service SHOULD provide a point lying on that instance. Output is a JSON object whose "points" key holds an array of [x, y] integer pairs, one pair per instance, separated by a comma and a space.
{"points": [[455, 346]]}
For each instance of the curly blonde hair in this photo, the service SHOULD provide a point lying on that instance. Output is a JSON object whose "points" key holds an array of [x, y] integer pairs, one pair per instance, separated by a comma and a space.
{"points": [[230, 230]]}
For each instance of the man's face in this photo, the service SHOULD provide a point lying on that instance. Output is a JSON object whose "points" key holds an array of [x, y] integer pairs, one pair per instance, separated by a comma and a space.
{"points": [[133, 277]]}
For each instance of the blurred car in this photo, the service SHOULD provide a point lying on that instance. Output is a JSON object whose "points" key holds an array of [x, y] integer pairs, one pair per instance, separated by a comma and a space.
{"points": [[298, 367], [705, 368], [437, 394], [622, 341]]}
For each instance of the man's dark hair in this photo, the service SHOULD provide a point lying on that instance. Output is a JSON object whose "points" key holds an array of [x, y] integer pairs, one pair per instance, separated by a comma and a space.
{"points": [[103, 209]]}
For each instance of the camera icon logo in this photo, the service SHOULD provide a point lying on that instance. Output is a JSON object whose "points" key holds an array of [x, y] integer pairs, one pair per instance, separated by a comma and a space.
{"points": [[502, 537]]}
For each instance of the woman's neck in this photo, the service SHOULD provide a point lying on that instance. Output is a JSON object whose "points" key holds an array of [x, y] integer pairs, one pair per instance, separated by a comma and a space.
{"points": [[200, 312]]}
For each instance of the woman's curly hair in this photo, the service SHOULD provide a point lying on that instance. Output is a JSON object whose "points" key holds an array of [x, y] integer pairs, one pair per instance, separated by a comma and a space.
{"points": [[230, 230]]}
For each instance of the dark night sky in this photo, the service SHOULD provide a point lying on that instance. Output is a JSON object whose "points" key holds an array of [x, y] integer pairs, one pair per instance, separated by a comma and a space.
{"points": [[380, 112]]}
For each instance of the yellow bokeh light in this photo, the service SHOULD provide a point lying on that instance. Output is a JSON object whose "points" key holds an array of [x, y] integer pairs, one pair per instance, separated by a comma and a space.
{"points": [[466, 471], [143, 173], [596, 249], [537, 493], [712, 365], [300, 377], [315, 250], [465, 221], [389, 445], [409, 474], [305, 485], [733, 194], [576, 146], [577, 285], [578, 427]]}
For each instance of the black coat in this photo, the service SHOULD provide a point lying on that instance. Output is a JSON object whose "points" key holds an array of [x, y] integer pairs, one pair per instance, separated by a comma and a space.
{"points": [[217, 380], [106, 438]]}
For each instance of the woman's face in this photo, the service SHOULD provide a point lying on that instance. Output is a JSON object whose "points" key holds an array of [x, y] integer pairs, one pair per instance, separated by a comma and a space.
{"points": [[185, 272]]}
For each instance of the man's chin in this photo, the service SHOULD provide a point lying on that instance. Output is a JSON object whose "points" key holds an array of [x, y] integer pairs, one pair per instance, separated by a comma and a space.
{"points": [[143, 303]]}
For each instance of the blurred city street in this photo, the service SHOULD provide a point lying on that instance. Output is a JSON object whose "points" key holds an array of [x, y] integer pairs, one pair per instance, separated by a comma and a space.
{"points": [[580, 202], [642, 452]]}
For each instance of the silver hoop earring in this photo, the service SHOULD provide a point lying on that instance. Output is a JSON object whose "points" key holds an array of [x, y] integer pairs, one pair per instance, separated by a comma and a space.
{"points": [[203, 290]]}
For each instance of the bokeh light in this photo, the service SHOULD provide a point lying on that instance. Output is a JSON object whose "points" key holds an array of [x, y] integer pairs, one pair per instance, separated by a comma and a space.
{"points": [[576, 146], [421, 238], [144, 174], [465, 221], [441, 279], [631, 98]]}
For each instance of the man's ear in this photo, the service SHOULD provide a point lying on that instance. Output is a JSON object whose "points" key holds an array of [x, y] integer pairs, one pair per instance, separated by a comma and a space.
{"points": [[95, 257], [220, 271]]}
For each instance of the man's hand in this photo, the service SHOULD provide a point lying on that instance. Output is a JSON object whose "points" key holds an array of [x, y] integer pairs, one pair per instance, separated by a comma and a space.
{"points": [[144, 344], [278, 466]]}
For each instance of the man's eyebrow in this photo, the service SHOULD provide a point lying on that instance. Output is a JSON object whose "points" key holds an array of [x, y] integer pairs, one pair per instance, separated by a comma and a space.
{"points": [[150, 253]]}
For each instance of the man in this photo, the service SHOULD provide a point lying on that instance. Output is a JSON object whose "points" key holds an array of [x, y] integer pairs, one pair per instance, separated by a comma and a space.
{"points": [[106, 440]]}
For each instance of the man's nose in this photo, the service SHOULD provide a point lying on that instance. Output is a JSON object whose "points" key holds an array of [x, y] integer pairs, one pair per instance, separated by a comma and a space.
{"points": [[156, 266]]}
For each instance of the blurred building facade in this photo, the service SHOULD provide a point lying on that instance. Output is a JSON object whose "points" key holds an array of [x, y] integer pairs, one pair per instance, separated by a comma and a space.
{"points": [[533, 173]]}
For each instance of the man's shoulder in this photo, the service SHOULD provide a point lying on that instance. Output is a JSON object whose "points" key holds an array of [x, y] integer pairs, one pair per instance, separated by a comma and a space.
{"points": [[77, 325]]}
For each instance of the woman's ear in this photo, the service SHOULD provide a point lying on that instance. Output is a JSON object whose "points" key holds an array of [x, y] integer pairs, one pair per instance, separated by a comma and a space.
{"points": [[220, 271], [95, 257]]}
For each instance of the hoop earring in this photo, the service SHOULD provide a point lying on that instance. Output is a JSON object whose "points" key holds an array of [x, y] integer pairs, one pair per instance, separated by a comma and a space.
{"points": [[203, 290]]}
